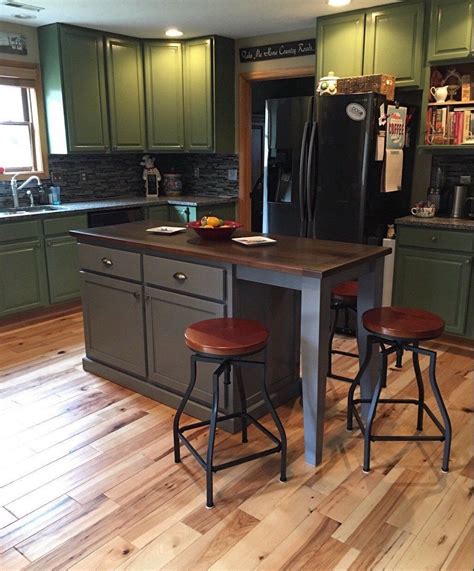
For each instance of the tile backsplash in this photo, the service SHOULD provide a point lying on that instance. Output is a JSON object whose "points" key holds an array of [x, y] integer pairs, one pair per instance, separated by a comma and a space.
{"points": [[453, 167], [92, 177]]}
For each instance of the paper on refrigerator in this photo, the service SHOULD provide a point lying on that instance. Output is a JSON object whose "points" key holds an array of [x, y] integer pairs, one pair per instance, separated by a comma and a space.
{"points": [[394, 142]]}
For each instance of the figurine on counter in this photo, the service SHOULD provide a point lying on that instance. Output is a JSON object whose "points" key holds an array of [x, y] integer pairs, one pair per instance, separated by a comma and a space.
{"points": [[151, 176]]}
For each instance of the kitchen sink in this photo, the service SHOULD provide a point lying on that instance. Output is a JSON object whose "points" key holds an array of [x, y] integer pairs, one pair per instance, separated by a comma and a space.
{"points": [[28, 210]]}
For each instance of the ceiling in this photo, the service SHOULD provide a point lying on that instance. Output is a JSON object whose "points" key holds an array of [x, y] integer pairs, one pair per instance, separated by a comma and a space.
{"points": [[150, 18]]}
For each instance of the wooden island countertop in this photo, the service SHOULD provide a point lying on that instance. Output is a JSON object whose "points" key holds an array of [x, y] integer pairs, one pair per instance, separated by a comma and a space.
{"points": [[293, 255]]}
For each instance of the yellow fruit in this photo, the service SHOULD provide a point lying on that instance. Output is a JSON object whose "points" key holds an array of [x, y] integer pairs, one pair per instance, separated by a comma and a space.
{"points": [[209, 226], [213, 221], [203, 220]]}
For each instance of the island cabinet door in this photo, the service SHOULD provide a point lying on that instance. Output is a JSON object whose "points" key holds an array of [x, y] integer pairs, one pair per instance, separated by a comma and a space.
{"points": [[436, 282], [167, 316], [114, 323]]}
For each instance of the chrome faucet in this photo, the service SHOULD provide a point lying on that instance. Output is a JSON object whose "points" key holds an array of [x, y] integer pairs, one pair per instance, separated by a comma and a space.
{"points": [[15, 188]]}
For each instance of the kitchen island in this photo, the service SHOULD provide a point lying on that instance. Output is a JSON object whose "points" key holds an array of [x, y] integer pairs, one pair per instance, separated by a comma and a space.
{"points": [[140, 290]]}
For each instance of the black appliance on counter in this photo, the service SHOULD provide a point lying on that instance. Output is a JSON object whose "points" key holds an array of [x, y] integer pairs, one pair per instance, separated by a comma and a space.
{"points": [[321, 179], [114, 216]]}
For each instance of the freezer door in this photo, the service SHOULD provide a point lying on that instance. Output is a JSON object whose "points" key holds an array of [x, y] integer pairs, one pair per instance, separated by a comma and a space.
{"points": [[287, 124], [346, 132]]}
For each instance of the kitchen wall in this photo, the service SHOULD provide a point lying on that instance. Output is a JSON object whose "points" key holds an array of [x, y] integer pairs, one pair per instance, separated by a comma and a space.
{"points": [[120, 175], [31, 39]]}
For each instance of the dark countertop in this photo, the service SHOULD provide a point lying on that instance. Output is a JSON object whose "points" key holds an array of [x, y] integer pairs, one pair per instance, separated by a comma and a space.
{"points": [[119, 203], [300, 256], [437, 222]]}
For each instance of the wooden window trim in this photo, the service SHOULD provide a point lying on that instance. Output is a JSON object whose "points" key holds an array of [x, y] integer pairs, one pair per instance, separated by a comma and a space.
{"points": [[39, 139]]}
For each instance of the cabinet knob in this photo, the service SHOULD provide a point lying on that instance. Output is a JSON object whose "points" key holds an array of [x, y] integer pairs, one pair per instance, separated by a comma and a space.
{"points": [[433, 238], [108, 263], [48, 243], [180, 277], [136, 295]]}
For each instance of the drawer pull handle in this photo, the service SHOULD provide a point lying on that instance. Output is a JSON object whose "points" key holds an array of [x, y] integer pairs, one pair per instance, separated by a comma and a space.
{"points": [[180, 276], [107, 262], [136, 295], [433, 238]]}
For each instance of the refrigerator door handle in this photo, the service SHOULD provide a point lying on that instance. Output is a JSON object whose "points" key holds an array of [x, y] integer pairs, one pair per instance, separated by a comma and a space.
{"points": [[310, 194], [302, 185]]}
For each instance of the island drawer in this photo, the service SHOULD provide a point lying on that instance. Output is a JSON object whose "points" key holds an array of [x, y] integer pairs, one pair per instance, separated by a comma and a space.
{"points": [[436, 239], [110, 262], [185, 277]]}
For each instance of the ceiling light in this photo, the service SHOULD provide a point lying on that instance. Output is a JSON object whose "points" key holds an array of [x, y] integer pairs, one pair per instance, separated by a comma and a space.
{"points": [[22, 6], [24, 16], [173, 33], [338, 3]]}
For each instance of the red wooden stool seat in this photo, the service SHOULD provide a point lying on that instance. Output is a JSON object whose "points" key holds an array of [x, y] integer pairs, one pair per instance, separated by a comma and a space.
{"points": [[226, 337], [346, 292], [403, 323]]}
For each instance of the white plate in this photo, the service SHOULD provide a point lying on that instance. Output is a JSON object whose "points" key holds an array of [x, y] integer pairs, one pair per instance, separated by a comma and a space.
{"points": [[255, 241], [165, 229]]}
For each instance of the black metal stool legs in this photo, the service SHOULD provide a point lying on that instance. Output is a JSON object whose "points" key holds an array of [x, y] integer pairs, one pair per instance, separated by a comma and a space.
{"points": [[421, 390], [336, 307], [243, 402], [182, 405], [372, 411]]}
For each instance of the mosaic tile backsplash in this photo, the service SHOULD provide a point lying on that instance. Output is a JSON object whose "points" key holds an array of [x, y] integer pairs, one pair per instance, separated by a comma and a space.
{"points": [[121, 175], [453, 167]]}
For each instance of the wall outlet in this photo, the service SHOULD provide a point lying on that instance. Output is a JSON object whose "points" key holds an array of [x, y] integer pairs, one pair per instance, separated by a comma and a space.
{"points": [[232, 175], [56, 177], [465, 179], [196, 172], [83, 176]]}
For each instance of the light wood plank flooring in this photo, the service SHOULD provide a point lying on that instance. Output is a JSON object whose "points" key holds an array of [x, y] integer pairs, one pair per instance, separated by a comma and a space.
{"points": [[87, 477]]}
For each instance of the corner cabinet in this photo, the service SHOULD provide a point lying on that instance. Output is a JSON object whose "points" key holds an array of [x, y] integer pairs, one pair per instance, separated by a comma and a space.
{"points": [[433, 271], [126, 101], [340, 45], [451, 30], [164, 96], [73, 70], [395, 30], [364, 42]]}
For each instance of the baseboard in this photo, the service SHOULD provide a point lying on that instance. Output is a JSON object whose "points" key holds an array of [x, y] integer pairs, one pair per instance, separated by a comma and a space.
{"points": [[33, 316]]}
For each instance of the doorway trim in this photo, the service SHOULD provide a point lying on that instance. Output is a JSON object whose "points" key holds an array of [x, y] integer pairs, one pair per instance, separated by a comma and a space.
{"points": [[245, 129]]}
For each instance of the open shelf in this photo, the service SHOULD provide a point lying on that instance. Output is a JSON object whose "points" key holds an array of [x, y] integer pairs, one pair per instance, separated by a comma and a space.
{"points": [[450, 103], [466, 148]]}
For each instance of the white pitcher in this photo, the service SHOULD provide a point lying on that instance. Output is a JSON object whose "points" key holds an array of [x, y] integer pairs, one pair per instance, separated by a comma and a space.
{"points": [[439, 93]]}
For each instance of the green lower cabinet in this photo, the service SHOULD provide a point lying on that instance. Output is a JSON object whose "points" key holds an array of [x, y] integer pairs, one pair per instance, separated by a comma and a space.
{"points": [[395, 30], [435, 281], [158, 212], [224, 211], [185, 214], [63, 269], [451, 30], [23, 281]]}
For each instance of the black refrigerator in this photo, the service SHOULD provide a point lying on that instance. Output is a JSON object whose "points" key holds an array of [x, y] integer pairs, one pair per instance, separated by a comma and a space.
{"points": [[321, 179]]}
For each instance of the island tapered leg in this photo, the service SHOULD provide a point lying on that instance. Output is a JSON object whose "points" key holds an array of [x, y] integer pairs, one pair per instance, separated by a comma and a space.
{"points": [[315, 321], [370, 296]]}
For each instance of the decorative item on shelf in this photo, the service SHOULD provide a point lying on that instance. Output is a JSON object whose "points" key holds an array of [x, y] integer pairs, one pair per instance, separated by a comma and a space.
{"points": [[439, 93], [328, 85], [379, 83], [172, 184], [424, 210], [453, 83], [151, 176]]}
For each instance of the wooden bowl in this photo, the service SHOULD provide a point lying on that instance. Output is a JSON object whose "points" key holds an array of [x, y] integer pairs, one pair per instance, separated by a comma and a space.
{"points": [[220, 233]]}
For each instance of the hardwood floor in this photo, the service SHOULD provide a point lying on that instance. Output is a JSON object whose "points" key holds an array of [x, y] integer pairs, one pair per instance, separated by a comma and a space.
{"points": [[87, 478]]}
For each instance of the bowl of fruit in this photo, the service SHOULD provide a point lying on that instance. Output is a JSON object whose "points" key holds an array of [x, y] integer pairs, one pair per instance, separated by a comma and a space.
{"points": [[213, 228]]}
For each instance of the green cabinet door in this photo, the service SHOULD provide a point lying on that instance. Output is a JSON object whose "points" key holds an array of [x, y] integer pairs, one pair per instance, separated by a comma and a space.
{"points": [[158, 212], [224, 211], [198, 96], [340, 45], [434, 281], [125, 94], [82, 55], [23, 283], [63, 268], [451, 30], [164, 96], [395, 30]]}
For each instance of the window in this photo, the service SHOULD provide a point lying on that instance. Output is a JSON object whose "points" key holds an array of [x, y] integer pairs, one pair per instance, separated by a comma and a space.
{"points": [[22, 141]]}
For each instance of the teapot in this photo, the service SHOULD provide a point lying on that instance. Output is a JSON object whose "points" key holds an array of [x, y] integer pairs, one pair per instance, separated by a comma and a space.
{"points": [[439, 93]]}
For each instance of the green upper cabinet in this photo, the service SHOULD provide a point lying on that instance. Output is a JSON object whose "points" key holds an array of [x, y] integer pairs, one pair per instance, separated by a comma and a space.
{"points": [[451, 30], [72, 63], [198, 97], [395, 30], [340, 45], [125, 94], [164, 96]]}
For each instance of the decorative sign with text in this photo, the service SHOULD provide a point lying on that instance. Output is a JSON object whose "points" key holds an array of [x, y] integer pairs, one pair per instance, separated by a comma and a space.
{"points": [[278, 51], [13, 44]]}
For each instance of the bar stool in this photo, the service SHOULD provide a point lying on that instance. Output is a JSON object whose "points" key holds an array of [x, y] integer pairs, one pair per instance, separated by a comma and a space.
{"points": [[343, 298], [395, 330], [227, 342]]}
